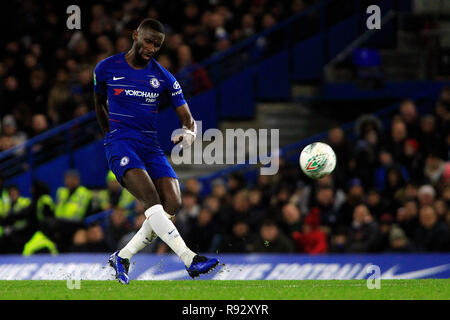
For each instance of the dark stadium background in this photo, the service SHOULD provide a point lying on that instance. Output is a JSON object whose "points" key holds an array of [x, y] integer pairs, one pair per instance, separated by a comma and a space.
{"points": [[312, 69]]}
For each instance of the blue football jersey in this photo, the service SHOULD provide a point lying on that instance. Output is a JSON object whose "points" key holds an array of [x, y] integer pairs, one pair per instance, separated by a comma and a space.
{"points": [[134, 94]]}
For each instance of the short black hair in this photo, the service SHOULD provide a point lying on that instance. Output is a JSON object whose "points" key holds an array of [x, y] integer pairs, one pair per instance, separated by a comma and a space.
{"points": [[152, 24]]}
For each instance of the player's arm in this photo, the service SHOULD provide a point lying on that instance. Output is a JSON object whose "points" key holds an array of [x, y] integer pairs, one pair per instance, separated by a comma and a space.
{"points": [[100, 97], [101, 109], [185, 116], [189, 127], [187, 134]]}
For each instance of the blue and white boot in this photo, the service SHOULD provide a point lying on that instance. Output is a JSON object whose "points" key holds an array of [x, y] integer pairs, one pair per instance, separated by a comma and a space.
{"points": [[121, 266], [201, 265]]}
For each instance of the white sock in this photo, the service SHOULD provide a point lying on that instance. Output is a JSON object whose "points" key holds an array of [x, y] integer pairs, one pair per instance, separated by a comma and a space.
{"points": [[141, 239], [166, 230]]}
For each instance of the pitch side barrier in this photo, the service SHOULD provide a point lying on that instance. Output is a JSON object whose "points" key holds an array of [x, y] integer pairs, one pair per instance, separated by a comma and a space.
{"points": [[232, 267]]}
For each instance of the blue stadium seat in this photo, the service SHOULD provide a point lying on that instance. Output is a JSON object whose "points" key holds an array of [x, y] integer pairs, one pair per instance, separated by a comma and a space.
{"points": [[366, 58]]}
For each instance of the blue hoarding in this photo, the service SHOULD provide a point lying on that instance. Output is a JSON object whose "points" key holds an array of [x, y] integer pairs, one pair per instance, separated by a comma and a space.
{"points": [[232, 267]]}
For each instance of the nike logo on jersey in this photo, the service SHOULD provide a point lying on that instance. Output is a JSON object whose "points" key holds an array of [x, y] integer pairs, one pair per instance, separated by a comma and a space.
{"points": [[118, 78]]}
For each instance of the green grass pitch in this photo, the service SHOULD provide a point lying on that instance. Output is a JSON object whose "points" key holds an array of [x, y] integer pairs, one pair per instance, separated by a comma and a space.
{"points": [[434, 289]]}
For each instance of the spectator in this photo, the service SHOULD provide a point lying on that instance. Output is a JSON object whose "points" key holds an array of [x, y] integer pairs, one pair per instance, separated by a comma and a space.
{"points": [[363, 234], [270, 239], [194, 186], [429, 140], [202, 236], [9, 129], [413, 160], [290, 219], [118, 226], [236, 182], [339, 240], [434, 169], [72, 205], [60, 104], [393, 186], [426, 195], [39, 124], [96, 239], [441, 209], [375, 203], [113, 196], [355, 196], [240, 210], [432, 235], [311, 240], [340, 144], [238, 240], [17, 223], [255, 200], [324, 207], [188, 213], [398, 136], [409, 115], [408, 217], [79, 242], [386, 221], [398, 241], [212, 203]]}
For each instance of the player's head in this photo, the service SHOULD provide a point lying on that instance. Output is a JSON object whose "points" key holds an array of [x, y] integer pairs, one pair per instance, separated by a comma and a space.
{"points": [[148, 38]]}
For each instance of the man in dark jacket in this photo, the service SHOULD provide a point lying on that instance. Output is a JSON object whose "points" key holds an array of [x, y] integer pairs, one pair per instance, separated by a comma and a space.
{"points": [[364, 233], [432, 235], [271, 240]]}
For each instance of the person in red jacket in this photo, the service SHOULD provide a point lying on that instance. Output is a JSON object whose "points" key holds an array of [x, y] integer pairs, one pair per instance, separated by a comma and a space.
{"points": [[311, 240]]}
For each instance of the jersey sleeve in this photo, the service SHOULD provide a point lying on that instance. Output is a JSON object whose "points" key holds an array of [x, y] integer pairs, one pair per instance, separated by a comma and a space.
{"points": [[175, 91], [100, 78]]}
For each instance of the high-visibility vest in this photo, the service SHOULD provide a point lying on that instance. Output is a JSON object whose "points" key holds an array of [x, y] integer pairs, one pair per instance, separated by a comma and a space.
{"points": [[20, 204], [38, 242], [5, 203], [125, 199], [44, 200], [72, 206]]}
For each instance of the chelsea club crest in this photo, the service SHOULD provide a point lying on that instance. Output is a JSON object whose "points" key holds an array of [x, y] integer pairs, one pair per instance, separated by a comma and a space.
{"points": [[154, 83]]}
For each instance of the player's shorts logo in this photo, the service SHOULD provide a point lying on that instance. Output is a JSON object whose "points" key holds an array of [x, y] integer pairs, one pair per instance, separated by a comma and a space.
{"points": [[154, 82], [176, 85], [124, 161]]}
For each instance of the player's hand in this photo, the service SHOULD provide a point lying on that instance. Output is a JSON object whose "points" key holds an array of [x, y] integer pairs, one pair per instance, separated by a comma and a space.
{"points": [[185, 136]]}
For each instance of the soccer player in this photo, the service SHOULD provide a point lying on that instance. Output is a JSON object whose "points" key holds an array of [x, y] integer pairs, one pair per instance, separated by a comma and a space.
{"points": [[127, 88]]}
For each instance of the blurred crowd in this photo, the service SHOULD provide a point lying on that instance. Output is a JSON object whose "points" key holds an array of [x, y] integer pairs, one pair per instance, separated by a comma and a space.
{"points": [[390, 192], [46, 69]]}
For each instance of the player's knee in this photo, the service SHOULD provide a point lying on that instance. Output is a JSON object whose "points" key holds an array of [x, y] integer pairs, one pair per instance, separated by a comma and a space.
{"points": [[150, 201], [173, 205]]}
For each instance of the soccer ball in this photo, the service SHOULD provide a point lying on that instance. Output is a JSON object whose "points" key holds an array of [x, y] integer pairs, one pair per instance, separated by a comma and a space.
{"points": [[317, 160]]}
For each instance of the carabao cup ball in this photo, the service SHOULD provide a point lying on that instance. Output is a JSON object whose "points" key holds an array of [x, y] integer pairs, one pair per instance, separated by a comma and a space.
{"points": [[317, 160]]}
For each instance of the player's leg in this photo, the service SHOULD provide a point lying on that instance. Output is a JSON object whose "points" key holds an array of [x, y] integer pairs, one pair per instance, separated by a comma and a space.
{"points": [[126, 164], [139, 184], [169, 191], [148, 196]]}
